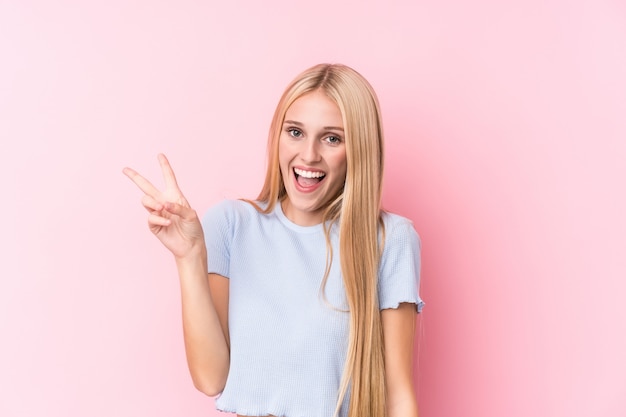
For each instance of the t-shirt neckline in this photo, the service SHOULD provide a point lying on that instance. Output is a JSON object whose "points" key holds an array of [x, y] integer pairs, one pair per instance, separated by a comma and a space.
{"points": [[278, 210]]}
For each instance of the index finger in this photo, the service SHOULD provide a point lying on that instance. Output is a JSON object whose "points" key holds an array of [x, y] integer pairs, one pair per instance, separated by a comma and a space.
{"points": [[143, 184], [168, 173]]}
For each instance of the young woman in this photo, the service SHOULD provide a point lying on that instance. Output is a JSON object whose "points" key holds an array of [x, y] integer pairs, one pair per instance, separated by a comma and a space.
{"points": [[310, 304]]}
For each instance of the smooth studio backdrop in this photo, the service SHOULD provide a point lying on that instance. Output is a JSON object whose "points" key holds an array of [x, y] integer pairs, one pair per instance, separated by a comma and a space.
{"points": [[506, 139]]}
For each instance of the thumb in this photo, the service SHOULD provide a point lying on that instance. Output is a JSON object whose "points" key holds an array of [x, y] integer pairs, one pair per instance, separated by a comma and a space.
{"points": [[181, 211]]}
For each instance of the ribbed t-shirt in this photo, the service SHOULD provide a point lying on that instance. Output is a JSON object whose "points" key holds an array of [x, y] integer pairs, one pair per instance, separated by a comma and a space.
{"points": [[288, 339]]}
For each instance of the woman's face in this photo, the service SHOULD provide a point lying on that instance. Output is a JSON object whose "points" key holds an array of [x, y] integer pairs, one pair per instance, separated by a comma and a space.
{"points": [[312, 157]]}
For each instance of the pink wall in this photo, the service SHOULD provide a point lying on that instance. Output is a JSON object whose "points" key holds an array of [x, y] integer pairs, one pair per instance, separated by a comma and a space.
{"points": [[506, 144]]}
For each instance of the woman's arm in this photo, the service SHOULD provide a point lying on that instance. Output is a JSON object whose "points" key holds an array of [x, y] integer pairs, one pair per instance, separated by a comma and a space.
{"points": [[205, 331], [399, 333], [176, 225]]}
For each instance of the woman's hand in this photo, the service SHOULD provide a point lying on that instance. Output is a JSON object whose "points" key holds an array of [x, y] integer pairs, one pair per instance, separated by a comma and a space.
{"points": [[205, 330], [171, 219]]}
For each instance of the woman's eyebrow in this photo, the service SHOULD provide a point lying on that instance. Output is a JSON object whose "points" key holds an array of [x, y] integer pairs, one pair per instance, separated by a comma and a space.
{"points": [[293, 122]]}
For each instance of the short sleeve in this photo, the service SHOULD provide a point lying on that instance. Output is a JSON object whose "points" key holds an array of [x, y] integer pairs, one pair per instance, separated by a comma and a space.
{"points": [[399, 273], [217, 224]]}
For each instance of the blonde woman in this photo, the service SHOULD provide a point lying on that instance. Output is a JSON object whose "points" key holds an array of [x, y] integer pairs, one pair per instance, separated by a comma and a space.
{"points": [[310, 304]]}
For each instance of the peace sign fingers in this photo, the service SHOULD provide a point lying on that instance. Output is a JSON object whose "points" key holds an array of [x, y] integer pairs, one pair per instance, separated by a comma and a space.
{"points": [[170, 217], [143, 184], [168, 174], [171, 193]]}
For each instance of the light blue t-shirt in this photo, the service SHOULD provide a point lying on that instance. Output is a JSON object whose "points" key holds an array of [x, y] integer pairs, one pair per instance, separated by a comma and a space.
{"points": [[288, 341]]}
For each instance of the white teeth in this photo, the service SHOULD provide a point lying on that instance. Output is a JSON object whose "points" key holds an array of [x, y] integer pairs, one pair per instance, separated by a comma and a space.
{"points": [[308, 174]]}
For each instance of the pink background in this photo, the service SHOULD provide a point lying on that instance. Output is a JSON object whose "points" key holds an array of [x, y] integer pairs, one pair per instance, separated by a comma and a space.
{"points": [[506, 138]]}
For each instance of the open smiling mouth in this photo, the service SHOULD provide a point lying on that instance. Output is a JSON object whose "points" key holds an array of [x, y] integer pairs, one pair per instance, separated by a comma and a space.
{"points": [[308, 178]]}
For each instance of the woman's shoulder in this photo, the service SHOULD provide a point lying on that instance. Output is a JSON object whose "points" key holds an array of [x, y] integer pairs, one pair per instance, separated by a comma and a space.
{"points": [[393, 220], [232, 210], [240, 206], [397, 227]]}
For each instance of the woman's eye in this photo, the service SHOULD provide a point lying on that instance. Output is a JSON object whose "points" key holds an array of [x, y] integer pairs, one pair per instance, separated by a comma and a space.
{"points": [[333, 139], [294, 133]]}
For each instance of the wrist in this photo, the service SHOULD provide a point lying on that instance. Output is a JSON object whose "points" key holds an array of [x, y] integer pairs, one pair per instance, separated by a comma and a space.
{"points": [[196, 257]]}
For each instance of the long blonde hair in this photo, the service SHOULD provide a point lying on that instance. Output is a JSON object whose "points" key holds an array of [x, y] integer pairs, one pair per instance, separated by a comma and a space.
{"points": [[357, 211]]}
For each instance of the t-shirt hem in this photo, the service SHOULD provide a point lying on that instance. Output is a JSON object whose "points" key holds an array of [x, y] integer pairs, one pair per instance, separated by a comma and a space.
{"points": [[419, 305]]}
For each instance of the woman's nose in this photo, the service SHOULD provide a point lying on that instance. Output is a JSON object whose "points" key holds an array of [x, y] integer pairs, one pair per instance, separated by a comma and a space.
{"points": [[311, 152]]}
